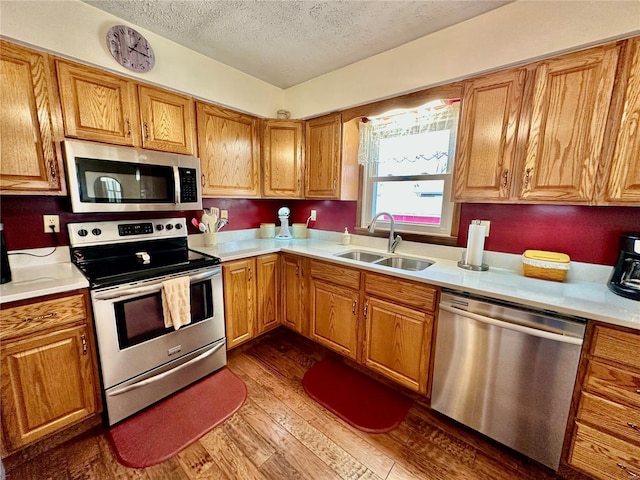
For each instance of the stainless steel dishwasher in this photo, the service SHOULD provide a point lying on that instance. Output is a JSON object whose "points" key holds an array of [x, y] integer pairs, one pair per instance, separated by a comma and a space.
{"points": [[507, 372]]}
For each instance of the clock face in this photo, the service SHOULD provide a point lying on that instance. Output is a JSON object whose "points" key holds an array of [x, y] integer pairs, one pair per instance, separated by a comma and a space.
{"points": [[130, 49]]}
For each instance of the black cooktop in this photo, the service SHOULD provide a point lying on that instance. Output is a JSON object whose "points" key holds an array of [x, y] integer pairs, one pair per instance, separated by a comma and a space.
{"points": [[108, 265]]}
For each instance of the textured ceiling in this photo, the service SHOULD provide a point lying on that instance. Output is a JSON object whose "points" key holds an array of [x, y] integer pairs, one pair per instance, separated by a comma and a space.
{"points": [[287, 42]]}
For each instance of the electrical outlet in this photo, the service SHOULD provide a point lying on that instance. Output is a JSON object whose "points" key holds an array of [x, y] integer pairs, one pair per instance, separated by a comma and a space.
{"points": [[313, 215], [224, 214], [51, 220], [487, 224]]}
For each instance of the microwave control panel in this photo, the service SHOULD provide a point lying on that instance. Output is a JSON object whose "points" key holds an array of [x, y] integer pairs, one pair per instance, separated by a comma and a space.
{"points": [[188, 185]]}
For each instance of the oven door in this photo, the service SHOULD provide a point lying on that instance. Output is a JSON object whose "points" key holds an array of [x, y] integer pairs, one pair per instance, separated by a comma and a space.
{"points": [[130, 331]]}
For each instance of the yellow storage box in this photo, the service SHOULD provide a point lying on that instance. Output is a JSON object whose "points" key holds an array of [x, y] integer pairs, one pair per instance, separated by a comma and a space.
{"points": [[546, 265]]}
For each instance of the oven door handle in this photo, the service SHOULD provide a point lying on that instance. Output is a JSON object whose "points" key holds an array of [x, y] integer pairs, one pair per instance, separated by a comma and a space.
{"points": [[556, 337], [155, 287], [162, 375]]}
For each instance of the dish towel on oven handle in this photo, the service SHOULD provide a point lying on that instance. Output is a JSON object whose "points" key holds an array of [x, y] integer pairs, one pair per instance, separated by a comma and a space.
{"points": [[176, 302]]}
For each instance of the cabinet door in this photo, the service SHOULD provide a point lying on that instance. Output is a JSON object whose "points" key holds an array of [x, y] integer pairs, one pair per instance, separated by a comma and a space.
{"points": [[29, 159], [239, 300], [323, 143], [398, 342], [268, 289], [47, 384], [624, 177], [282, 163], [98, 106], [293, 297], [168, 120], [229, 152], [334, 317], [486, 152], [571, 98]]}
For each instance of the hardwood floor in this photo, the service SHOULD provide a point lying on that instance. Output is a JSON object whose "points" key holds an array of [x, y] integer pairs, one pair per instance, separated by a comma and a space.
{"points": [[280, 433]]}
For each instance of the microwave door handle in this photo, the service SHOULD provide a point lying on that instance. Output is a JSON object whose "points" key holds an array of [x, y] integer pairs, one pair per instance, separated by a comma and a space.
{"points": [[176, 180], [160, 376]]}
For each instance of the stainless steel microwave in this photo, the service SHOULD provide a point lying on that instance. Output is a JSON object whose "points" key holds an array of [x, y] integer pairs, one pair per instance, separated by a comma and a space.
{"points": [[108, 178]]}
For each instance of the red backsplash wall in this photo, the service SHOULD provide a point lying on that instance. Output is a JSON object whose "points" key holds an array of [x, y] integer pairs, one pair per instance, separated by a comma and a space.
{"points": [[586, 234]]}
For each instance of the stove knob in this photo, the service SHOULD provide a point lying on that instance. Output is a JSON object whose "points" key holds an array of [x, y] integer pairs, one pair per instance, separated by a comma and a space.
{"points": [[169, 226], [97, 232], [82, 232], [178, 226], [159, 227]]}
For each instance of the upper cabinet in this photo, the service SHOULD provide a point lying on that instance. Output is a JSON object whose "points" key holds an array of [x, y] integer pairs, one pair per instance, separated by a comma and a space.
{"points": [[323, 155], [623, 184], [486, 153], [571, 98], [282, 158], [229, 147], [105, 108], [30, 161]]}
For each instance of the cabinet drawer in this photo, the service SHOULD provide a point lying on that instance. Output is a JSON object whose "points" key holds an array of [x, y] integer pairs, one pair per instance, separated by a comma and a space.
{"points": [[616, 345], [604, 456], [618, 419], [402, 291], [614, 383], [335, 274], [38, 316]]}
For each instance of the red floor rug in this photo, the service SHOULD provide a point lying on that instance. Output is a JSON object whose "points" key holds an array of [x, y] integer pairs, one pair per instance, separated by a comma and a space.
{"points": [[161, 431], [354, 397]]}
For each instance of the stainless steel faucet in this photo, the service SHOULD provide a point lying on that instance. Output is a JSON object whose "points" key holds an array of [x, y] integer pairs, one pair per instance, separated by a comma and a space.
{"points": [[393, 241]]}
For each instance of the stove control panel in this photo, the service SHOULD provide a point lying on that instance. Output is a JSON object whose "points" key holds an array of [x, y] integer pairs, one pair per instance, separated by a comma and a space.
{"points": [[100, 233]]}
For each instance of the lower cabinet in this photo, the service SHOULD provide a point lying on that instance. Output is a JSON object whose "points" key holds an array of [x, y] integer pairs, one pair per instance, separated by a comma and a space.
{"points": [[398, 329], [294, 293], [605, 442], [250, 297], [48, 368]]}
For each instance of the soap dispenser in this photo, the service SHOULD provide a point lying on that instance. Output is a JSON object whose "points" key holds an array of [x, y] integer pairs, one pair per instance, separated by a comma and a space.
{"points": [[346, 237]]}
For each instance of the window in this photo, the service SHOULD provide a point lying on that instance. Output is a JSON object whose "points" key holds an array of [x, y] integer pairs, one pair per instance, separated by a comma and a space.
{"points": [[408, 164]]}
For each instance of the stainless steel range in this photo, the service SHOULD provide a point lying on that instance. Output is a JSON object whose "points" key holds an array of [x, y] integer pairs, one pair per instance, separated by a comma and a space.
{"points": [[127, 263]]}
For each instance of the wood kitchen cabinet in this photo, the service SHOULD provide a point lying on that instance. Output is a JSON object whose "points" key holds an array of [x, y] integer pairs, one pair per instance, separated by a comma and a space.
{"points": [[229, 148], [294, 293], [107, 108], [605, 441], [282, 158], [49, 370], [399, 318], [335, 307], [251, 294], [623, 185], [486, 158], [571, 98], [30, 160], [323, 144]]}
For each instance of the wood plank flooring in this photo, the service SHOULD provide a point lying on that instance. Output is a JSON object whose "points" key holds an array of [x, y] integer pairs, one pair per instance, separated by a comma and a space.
{"points": [[280, 433]]}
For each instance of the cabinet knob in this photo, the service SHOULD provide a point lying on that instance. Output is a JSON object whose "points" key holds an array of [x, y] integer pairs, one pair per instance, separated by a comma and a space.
{"points": [[250, 274], [297, 270], [366, 308], [633, 425], [128, 123], [629, 472], [353, 306], [146, 131], [83, 338], [41, 317], [203, 180]]}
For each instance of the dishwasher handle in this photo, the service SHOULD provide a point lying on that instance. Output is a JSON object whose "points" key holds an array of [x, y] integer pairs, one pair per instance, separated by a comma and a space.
{"points": [[556, 337]]}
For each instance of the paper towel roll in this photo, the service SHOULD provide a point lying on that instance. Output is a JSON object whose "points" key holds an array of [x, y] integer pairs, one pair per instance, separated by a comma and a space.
{"points": [[475, 244]]}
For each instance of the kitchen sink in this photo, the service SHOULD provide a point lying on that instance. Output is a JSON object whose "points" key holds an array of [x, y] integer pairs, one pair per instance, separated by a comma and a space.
{"points": [[404, 263], [361, 256], [395, 261]]}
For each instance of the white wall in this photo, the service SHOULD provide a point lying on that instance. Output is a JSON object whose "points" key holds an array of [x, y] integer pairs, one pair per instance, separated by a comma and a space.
{"points": [[515, 33], [512, 34], [76, 30]]}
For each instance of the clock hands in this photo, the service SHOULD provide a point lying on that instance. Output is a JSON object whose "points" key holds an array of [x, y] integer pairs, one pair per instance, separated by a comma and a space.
{"points": [[138, 51]]}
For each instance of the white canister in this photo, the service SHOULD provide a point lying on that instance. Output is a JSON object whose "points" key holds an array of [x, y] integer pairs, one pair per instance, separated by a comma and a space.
{"points": [[267, 230], [210, 239], [299, 230]]}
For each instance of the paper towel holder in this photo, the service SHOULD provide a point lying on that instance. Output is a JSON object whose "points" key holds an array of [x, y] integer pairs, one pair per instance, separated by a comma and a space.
{"points": [[467, 266]]}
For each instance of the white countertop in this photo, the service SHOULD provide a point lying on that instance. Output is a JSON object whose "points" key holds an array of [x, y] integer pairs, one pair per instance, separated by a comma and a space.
{"points": [[583, 294], [586, 297]]}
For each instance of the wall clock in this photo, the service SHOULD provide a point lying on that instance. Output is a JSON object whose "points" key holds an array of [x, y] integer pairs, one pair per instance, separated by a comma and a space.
{"points": [[130, 49]]}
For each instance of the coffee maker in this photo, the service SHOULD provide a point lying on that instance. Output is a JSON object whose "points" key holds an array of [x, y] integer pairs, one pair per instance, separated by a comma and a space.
{"points": [[625, 279]]}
